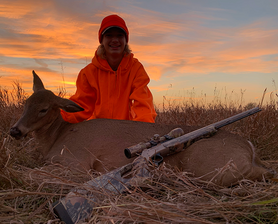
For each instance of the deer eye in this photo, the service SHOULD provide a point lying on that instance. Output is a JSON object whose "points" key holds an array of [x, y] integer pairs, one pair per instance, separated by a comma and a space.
{"points": [[43, 112]]}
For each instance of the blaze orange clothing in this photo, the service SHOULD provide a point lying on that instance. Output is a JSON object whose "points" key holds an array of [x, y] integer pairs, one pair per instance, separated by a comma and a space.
{"points": [[121, 94]]}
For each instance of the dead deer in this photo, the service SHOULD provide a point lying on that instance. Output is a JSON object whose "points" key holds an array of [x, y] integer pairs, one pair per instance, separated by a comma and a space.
{"points": [[99, 144]]}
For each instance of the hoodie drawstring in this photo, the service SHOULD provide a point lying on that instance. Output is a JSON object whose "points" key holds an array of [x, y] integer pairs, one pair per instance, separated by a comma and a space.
{"points": [[118, 81]]}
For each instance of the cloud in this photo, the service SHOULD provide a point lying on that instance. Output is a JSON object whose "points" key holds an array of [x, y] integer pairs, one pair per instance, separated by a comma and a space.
{"points": [[58, 38], [241, 49], [40, 62], [47, 30], [154, 72], [17, 9], [32, 29]]}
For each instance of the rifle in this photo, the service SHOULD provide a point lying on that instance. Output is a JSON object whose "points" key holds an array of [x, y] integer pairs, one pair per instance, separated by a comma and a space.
{"points": [[78, 204]]}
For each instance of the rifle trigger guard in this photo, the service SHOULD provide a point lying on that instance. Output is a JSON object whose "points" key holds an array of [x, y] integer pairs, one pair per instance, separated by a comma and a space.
{"points": [[157, 159]]}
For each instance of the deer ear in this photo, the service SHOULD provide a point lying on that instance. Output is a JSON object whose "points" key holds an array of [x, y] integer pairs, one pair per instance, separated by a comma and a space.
{"points": [[69, 106], [37, 82]]}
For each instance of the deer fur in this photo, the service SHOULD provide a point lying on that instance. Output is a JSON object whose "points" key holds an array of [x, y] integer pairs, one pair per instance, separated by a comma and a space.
{"points": [[99, 144]]}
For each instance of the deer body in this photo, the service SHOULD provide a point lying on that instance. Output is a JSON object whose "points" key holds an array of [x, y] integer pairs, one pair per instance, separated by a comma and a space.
{"points": [[99, 144]]}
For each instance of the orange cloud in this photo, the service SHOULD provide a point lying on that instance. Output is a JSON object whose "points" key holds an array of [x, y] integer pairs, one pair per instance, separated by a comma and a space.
{"points": [[31, 34], [230, 50], [203, 57], [15, 9], [159, 88], [154, 72]]}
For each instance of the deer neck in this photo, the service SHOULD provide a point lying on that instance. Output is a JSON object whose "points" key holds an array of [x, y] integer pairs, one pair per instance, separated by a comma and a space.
{"points": [[48, 134]]}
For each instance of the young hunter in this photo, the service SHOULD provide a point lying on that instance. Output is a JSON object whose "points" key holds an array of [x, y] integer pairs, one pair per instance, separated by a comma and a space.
{"points": [[114, 84]]}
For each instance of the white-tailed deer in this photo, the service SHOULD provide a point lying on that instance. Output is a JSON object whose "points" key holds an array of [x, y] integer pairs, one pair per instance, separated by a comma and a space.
{"points": [[99, 144]]}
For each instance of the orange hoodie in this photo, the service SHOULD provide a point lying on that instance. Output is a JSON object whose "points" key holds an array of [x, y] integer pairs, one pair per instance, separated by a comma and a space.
{"points": [[121, 94]]}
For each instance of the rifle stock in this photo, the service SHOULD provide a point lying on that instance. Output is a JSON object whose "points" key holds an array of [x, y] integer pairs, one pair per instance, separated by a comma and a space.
{"points": [[78, 204]]}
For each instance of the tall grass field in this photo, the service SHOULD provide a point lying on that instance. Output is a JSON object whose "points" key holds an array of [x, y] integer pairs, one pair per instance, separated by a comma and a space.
{"points": [[28, 187]]}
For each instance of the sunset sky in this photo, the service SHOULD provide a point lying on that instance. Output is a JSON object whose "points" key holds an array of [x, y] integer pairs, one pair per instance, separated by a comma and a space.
{"points": [[189, 48]]}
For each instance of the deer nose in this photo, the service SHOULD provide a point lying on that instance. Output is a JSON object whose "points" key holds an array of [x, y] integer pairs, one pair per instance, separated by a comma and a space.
{"points": [[15, 132]]}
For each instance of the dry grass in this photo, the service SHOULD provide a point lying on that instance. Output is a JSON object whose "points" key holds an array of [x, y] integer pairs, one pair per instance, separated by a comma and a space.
{"points": [[27, 188]]}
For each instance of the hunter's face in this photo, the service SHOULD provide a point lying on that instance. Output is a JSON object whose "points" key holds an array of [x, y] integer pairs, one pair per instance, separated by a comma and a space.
{"points": [[114, 42]]}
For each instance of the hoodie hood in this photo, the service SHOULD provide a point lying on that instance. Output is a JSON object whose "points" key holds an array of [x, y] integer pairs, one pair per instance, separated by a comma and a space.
{"points": [[124, 66]]}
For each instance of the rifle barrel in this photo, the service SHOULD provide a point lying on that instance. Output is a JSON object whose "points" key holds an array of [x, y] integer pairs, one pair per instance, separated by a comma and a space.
{"points": [[236, 117], [174, 145]]}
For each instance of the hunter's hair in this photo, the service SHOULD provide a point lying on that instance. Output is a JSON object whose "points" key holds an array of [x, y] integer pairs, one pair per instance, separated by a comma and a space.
{"points": [[102, 54]]}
